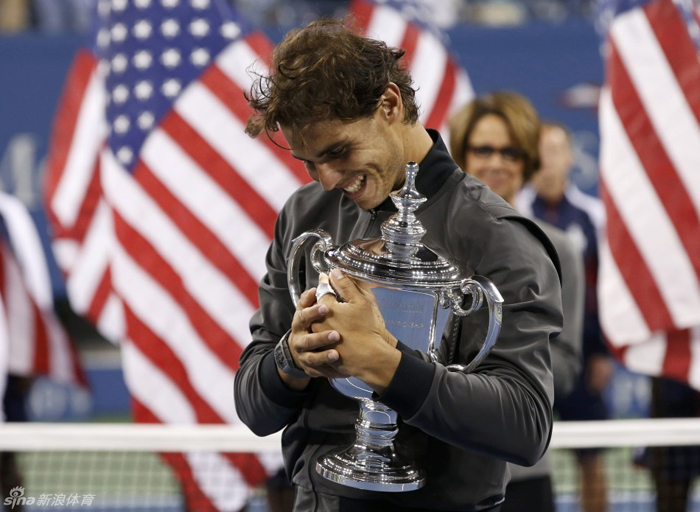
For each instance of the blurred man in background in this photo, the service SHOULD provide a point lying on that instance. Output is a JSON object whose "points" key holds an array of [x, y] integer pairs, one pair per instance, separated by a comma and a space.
{"points": [[554, 199]]}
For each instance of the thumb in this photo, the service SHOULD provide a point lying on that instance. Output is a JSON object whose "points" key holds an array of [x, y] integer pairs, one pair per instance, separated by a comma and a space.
{"points": [[346, 287]]}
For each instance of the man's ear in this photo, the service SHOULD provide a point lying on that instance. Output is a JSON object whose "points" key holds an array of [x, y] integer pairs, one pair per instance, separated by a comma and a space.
{"points": [[391, 105]]}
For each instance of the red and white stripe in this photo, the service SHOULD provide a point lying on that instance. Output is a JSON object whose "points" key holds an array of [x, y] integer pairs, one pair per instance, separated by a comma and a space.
{"points": [[649, 283], [443, 86], [35, 341], [166, 260], [80, 218]]}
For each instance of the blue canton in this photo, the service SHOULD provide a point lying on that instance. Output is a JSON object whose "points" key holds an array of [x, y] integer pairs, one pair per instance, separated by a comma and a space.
{"points": [[150, 51]]}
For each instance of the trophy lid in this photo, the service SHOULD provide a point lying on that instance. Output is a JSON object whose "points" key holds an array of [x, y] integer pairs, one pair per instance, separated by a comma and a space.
{"points": [[398, 257]]}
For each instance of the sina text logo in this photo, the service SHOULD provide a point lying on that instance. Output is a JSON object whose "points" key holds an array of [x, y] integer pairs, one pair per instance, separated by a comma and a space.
{"points": [[16, 497]]}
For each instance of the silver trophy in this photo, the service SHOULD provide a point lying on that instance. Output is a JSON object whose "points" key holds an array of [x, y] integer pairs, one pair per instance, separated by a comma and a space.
{"points": [[415, 290]]}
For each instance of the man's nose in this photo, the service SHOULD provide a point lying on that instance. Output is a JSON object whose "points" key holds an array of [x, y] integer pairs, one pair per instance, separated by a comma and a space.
{"points": [[329, 175]]}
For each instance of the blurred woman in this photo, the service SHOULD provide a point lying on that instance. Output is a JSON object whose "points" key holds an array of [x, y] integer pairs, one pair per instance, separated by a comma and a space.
{"points": [[495, 138]]}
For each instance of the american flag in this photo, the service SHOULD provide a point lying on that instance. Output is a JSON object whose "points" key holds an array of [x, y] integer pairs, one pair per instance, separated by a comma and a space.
{"points": [[163, 208], [443, 85], [649, 282], [33, 340]]}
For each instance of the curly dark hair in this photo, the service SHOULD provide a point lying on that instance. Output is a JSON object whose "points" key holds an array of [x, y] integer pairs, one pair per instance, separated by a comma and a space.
{"points": [[327, 71]]}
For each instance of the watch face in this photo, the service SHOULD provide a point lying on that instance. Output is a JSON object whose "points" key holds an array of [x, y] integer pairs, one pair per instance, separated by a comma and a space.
{"points": [[284, 360], [280, 359]]}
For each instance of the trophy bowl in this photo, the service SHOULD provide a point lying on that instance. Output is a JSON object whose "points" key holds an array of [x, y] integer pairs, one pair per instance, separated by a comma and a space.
{"points": [[416, 292]]}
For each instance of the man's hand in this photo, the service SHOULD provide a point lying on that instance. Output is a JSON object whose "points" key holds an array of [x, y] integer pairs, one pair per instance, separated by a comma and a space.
{"points": [[312, 351], [365, 348]]}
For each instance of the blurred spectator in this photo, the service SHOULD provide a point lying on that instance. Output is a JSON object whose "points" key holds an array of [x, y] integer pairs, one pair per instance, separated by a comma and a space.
{"points": [[14, 15], [289, 13], [495, 139], [557, 201], [45, 15], [73, 15], [63, 15], [512, 12], [444, 14], [495, 13]]}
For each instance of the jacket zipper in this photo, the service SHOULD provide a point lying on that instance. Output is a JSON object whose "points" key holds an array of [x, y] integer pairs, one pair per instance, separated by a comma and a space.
{"points": [[372, 219]]}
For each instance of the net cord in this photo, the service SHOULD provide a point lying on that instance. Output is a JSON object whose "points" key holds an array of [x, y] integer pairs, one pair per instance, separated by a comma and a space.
{"points": [[227, 438]]}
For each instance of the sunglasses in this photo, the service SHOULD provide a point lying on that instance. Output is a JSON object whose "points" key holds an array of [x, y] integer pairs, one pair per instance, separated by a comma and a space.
{"points": [[508, 153]]}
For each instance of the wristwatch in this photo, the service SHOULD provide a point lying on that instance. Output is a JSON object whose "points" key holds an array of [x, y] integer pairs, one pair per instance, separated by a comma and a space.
{"points": [[284, 360]]}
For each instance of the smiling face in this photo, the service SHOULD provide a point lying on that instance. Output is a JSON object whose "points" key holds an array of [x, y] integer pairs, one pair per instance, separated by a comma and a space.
{"points": [[500, 171], [363, 158]]}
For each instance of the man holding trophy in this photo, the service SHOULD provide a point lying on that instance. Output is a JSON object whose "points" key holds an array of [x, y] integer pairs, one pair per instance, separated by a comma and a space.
{"points": [[434, 314]]}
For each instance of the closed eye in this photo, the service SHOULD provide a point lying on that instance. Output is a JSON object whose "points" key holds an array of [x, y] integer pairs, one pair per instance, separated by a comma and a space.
{"points": [[338, 153]]}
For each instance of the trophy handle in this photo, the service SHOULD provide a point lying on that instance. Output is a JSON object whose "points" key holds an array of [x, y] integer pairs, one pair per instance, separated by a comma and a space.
{"points": [[480, 289], [294, 260]]}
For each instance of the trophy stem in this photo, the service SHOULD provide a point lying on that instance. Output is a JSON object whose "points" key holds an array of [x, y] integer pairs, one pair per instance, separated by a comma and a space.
{"points": [[371, 462], [376, 426]]}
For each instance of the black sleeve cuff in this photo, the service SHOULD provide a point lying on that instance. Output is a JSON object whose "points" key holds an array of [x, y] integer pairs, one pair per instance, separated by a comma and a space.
{"points": [[274, 387], [410, 386], [405, 349]]}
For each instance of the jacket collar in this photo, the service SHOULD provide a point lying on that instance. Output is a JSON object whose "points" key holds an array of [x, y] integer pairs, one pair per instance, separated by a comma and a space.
{"points": [[434, 171]]}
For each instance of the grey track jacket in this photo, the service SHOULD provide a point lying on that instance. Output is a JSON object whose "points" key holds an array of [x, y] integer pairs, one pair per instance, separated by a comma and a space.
{"points": [[462, 428]]}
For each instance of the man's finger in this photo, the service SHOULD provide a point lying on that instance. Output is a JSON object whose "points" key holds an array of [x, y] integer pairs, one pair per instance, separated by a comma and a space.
{"points": [[318, 359], [346, 287], [316, 341], [327, 298], [303, 318], [307, 298]]}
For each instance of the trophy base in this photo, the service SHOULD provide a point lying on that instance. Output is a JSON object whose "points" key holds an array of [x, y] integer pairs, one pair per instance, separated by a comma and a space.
{"points": [[362, 469]]}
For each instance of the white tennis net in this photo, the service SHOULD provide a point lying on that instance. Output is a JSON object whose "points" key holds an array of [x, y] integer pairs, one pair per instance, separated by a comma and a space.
{"points": [[121, 467]]}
